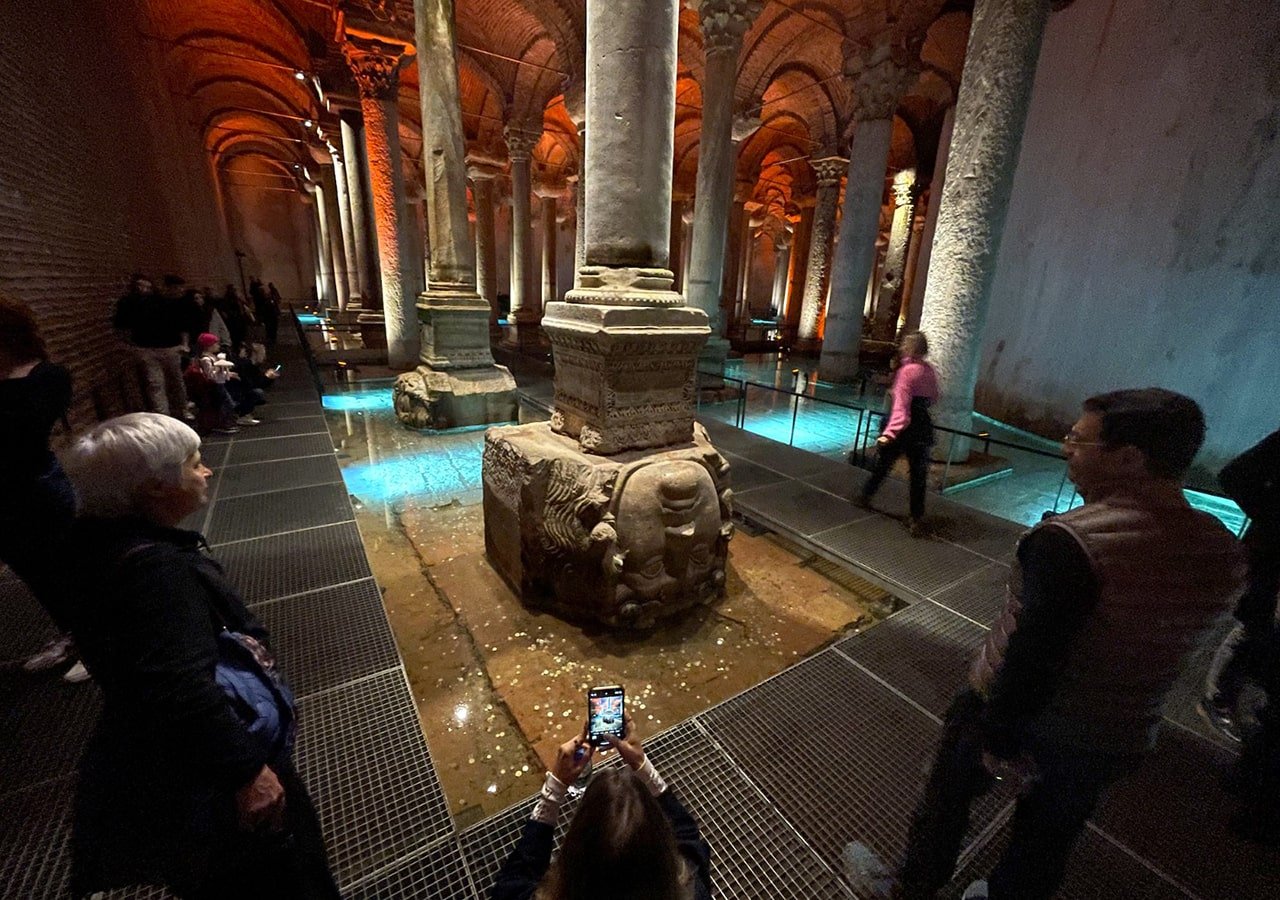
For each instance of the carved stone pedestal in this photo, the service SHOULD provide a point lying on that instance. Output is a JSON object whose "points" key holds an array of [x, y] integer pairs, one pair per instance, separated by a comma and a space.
{"points": [[624, 540], [458, 383]]}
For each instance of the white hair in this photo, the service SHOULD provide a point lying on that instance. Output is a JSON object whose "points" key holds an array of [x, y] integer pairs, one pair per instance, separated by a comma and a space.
{"points": [[114, 461]]}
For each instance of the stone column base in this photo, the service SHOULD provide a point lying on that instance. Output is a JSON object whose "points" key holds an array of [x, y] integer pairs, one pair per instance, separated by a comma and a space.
{"points": [[624, 540], [454, 329], [427, 398], [524, 334]]}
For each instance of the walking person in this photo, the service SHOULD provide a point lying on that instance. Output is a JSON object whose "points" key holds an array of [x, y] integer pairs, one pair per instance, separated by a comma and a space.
{"points": [[39, 503], [1104, 602], [1252, 480], [909, 430]]}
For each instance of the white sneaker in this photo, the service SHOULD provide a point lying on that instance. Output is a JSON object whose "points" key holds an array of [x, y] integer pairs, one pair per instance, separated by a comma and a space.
{"points": [[976, 890], [248, 420], [52, 654], [76, 674]]}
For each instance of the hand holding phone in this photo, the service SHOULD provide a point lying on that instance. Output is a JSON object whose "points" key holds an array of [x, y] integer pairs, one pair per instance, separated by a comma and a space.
{"points": [[629, 747], [606, 712]]}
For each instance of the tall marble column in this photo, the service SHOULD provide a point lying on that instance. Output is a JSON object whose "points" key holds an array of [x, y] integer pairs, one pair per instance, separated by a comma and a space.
{"points": [[735, 243], [548, 199], [991, 110], [575, 104], [828, 170], [925, 248], [526, 308], [457, 382], [781, 269], [800, 244], [328, 287], [679, 262], [618, 510], [686, 249], [345, 229], [486, 239], [376, 66], [878, 79], [333, 220], [354, 174], [892, 276], [724, 22]]}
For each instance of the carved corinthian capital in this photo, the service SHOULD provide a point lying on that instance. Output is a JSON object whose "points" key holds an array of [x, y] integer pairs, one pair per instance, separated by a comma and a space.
{"points": [[724, 22], [829, 170], [375, 65], [878, 77], [520, 142]]}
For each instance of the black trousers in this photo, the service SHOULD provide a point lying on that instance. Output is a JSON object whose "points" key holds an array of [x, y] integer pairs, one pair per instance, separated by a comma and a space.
{"points": [[1048, 818], [917, 454], [1256, 611]]}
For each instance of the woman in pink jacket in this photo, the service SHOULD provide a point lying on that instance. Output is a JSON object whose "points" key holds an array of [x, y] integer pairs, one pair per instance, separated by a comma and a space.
{"points": [[909, 429]]}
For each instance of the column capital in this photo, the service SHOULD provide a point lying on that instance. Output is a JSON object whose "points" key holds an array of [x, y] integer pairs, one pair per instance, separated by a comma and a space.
{"points": [[520, 142], [375, 65], [724, 22], [829, 169], [878, 76], [744, 126], [575, 101]]}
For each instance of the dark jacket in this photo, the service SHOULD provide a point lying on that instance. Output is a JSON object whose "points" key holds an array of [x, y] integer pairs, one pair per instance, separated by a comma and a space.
{"points": [[158, 778], [529, 861], [1252, 479]]}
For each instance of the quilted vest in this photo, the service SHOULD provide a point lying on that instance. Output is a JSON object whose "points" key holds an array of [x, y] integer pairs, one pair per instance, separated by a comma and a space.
{"points": [[1165, 572]]}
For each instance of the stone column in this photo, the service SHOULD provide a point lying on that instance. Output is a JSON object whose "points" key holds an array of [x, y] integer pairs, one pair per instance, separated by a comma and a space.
{"points": [[889, 288], [575, 104], [800, 245], [328, 286], [618, 510], [354, 174], [829, 171], [679, 262], [878, 80], [724, 22], [991, 110], [526, 309], [549, 232], [916, 304], [333, 219], [376, 67], [346, 230], [686, 248], [486, 241], [457, 383], [734, 244], [781, 269]]}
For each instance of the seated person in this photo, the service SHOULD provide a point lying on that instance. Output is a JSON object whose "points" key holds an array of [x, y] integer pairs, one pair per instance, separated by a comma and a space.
{"points": [[207, 378], [631, 839], [184, 783], [249, 388]]}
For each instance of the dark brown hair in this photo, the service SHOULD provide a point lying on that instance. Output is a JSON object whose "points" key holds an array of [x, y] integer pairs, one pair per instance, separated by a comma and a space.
{"points": [[20, 339], [918, 342], [620, 846], [1167, 427]]}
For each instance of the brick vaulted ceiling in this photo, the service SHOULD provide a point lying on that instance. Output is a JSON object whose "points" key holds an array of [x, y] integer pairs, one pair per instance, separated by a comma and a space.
{"points": [[239, 62]]}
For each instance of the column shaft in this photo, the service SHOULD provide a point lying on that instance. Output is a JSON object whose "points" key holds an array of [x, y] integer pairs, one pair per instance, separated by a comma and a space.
{"points": [[328, 286], [333, 220], [549, 279], [732, 260], [781, 269], [818, 266], [486, 246], [351, 157], [675, 244], [916, 304], [351, 266], [800, 245], [524, 298], [892, 276], [991, 111], [856, 252]]}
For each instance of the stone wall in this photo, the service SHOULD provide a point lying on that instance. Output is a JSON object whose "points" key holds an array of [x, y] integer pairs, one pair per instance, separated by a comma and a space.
{"points": [[101, 173], [273, 225], [1142, 245]]}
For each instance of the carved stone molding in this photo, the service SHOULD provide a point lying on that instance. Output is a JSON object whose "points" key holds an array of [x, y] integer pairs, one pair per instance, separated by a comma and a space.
{"points": [[829, 170], [520, 142], [878, 77], [375, 65], [724, 22]]}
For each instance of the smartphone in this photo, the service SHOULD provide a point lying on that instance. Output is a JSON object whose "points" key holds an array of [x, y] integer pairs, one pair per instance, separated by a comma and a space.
{"points": [[278, 368], [606, 707]]}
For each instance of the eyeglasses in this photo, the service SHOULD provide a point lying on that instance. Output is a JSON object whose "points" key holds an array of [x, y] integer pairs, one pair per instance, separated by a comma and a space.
{"points": [[1072, 439]]}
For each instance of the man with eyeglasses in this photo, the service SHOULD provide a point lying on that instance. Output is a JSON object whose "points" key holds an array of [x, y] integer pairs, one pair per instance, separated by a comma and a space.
{"points": [[1103, 604]]}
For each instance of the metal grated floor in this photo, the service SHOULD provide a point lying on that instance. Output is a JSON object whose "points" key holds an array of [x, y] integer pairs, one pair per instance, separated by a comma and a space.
{"points": [[27, 626], [745, 475], [330, 636], [980, 596], [798, 508], [847, 484], [257, 478], [440, 874], [285, 564], [36, 746], [35, 832], [259, 515], [924, 651], [362, 754], [270, 449], [275, 428]]}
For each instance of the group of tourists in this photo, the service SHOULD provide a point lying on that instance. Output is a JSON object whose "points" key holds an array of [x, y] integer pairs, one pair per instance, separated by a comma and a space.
{"points": [[188, 781]]}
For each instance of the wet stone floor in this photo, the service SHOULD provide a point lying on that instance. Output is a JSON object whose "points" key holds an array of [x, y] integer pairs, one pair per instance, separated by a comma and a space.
{"points": [[499, 686]]}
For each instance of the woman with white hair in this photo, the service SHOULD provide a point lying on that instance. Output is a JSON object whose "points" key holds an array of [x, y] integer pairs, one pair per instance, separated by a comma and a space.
{"points": [[187, 780]]}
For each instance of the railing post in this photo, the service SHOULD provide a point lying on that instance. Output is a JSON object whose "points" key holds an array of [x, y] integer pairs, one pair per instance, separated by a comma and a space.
{"points": [[795, 411], [946, 470], [1057, 501]]}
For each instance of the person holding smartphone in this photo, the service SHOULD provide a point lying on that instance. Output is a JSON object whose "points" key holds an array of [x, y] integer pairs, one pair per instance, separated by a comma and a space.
{"points": [[631, 838]]}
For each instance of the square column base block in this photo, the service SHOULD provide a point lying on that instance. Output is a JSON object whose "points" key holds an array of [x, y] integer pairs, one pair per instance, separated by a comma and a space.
{"points": [[524, 333], [625, 376], [455, 330], [454, 398], [623, 540]]}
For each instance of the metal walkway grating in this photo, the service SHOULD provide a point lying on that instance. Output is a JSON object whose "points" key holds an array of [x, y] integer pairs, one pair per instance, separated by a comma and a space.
{"points": [[269, 449], [37, 746], [439, 874], [798, 508], [979, 596], [284, 564], [924, 651], [257, 478], [260, 515], [362, 754], [745, 475]]}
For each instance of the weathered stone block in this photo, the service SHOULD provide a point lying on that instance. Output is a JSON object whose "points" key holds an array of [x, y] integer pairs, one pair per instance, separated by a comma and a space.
{"points": [[426, 398], [624, 540]]}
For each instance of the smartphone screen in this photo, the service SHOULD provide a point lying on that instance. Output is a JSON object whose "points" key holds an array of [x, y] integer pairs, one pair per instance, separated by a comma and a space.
{"points": [[605, 708], [278, 368]]}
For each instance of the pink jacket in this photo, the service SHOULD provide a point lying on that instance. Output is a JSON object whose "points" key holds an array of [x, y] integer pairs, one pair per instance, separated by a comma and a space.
{"points": [[914, 378]]}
